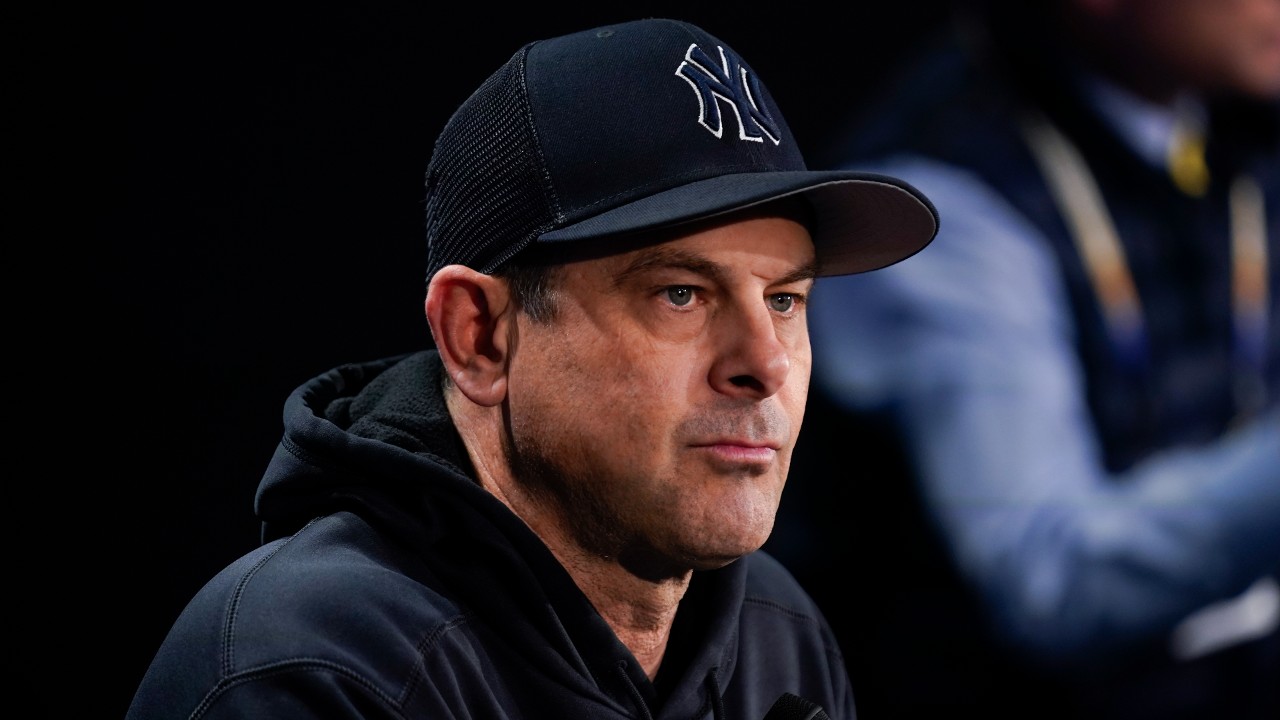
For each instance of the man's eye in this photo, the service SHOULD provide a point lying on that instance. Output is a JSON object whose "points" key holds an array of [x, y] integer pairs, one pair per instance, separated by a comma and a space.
{"points": [[680, 295], [782, 302]]}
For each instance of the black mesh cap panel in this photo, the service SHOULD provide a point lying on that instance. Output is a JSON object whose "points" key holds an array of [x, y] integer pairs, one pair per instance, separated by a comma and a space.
{"points": [[486, 200]]}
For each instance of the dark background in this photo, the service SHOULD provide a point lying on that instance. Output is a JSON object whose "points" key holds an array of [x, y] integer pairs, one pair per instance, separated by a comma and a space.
{"points": [[253, 177]]}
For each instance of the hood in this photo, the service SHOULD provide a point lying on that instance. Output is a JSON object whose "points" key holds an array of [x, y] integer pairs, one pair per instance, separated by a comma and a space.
{"points": [[376, 439]]}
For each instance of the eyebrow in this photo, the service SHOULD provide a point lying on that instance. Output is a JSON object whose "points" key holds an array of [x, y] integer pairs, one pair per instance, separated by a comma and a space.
{"points": [[663, 257]]}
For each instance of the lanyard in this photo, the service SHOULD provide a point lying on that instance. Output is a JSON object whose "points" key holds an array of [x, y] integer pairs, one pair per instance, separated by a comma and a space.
{"points": [[1091, 227]]}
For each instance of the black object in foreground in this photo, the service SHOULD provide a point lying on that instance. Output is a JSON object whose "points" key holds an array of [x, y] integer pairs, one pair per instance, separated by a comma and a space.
{"points": [[794, 707]]}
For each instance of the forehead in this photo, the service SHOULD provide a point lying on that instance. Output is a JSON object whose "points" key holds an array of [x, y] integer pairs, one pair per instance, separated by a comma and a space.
{"points": [[778, 230], [767, 247]]}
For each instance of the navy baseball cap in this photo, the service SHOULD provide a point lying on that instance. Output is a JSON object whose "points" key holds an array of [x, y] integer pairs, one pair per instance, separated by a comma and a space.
{"points": [[605, 133]]}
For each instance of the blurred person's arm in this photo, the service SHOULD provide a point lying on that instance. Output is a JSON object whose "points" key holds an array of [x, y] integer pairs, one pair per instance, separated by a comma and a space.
{"points": [[970, 345]]}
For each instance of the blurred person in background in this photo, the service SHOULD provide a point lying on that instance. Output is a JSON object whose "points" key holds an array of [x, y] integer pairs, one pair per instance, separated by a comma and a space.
{"points": [[1067, 406]]}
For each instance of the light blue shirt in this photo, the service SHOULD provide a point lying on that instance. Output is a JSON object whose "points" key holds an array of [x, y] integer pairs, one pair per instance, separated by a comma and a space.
{"points": [[971, 344]]}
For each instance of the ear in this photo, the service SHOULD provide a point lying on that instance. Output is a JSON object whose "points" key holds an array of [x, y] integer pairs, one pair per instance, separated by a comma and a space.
{"points": [[470, 314]]}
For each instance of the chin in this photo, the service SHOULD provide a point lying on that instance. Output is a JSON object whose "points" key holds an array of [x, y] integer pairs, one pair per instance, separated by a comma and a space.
{"points": [[721, 553]]}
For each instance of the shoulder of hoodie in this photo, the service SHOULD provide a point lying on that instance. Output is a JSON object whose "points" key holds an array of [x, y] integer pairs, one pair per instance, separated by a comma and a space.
{"points": [[770, 584], [335, 595], [783, 625]]}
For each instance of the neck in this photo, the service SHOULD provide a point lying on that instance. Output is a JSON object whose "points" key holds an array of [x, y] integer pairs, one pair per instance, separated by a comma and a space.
{"points": [[639, 611]]}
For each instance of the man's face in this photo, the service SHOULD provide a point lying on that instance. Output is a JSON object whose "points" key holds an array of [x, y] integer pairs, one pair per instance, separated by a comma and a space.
{"points": [[656, 413]]}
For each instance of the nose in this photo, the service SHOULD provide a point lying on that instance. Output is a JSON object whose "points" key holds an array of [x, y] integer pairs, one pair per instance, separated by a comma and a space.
{"points": [[752, 361]]}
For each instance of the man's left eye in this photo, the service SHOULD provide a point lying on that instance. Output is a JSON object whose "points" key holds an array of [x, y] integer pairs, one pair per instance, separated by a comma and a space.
{"points": [[782, 302], [680, 295]]}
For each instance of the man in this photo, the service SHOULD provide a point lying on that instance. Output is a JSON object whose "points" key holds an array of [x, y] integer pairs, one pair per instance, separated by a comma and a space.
{"points": [[1083, 371], [556, 511]]}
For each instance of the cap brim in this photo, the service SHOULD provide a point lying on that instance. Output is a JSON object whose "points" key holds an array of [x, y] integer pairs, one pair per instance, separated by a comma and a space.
{"points": [[863, 221]]}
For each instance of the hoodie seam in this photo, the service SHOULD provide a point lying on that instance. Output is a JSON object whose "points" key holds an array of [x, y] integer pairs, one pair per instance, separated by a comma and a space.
{"points": [[426, 646], [784, 609], [233, 611], [312, 459], [824, 632], [290, 666]]}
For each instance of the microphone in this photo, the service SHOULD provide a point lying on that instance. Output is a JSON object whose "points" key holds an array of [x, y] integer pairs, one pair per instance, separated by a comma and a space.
{"points": [[794, 707]]}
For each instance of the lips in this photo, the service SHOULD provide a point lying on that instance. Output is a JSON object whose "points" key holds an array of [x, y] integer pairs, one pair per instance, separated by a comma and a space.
{"points": [[741, 443], [740, 453]]}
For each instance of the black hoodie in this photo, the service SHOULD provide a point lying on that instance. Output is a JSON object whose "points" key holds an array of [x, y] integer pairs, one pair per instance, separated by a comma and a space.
{"points": [[391, 585]]}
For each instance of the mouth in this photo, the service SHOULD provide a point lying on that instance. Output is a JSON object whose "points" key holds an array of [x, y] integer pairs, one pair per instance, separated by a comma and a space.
{"points": [[737, 451]]}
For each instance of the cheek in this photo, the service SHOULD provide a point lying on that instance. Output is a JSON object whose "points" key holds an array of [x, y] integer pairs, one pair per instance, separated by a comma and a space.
{"points": [[608, 388], [641, 389], [795, 394], [802, 361]]}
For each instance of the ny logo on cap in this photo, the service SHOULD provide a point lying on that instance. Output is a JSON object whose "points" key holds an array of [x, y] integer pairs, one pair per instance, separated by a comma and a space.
{"points": [[731, 83]]}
